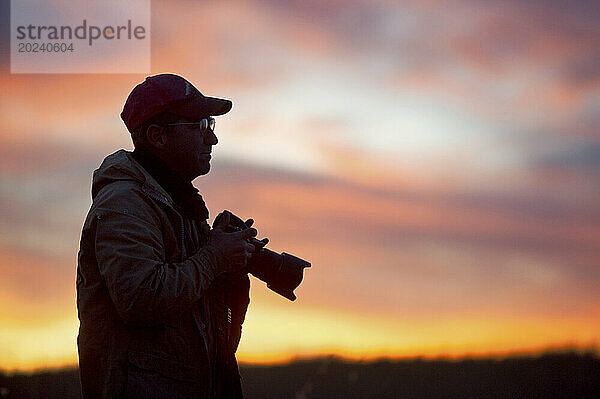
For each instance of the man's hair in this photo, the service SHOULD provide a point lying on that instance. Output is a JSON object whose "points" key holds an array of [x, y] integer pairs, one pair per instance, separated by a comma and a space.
{"points": [[138, 135]]}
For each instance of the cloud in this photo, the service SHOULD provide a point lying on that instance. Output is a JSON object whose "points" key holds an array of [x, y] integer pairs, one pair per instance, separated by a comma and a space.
{"points": [[584, 157], [333, 221], [26, 157], [4, 36], [396, 240], [35, 289]]}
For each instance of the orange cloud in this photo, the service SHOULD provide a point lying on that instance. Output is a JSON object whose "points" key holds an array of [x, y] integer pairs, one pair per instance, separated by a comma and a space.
{"points": [[35, 290]]}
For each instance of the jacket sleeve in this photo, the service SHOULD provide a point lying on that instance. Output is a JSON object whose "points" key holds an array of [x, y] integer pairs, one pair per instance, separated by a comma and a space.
{"points": [[130, 254]]}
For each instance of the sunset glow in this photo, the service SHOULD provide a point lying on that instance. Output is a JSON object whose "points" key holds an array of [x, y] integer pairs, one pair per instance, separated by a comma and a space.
{"points": [[438, 165]]}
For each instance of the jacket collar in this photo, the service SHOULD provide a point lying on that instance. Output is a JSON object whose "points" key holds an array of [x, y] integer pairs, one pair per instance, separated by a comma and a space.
{"points": [[121, 166]]}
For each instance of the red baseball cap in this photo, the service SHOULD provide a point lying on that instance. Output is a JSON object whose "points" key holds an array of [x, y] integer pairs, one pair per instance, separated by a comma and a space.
{"points": [[168, 92]]}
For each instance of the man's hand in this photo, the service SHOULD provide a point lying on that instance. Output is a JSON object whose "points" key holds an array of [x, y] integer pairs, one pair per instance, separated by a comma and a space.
{"points": [[234, 246], [258, 244]]}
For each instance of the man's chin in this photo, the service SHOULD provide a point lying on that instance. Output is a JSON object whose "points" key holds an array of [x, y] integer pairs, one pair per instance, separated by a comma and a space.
{"points": [[204, 169], [200, 168]]}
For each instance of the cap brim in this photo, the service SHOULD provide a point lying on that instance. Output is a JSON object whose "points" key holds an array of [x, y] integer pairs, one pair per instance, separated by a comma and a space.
{"points": [[200, 107]]}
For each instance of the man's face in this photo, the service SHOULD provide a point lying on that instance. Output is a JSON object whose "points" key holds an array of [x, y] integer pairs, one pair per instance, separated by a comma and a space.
{"points": [[188, 148]]}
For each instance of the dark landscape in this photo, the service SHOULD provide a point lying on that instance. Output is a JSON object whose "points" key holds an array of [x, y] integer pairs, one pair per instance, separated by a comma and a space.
{"points": [[550, 375]]}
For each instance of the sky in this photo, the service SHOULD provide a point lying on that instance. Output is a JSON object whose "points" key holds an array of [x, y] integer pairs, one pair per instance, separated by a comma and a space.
{"points": [[437, 162]]}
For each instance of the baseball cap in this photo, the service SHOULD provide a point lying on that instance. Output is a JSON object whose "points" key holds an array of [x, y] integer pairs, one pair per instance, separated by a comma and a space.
{"points": [[169, 92]]}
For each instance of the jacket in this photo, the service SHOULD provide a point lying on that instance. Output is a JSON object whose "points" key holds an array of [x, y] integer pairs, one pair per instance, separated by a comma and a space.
{"points": [[158, 317]]}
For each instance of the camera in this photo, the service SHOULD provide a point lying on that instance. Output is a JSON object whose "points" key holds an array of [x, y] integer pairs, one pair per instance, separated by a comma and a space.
{"points": [[283, 272]]}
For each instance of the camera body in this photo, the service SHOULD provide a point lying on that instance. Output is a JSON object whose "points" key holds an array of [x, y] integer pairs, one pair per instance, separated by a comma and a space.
{"points": [[283, 272]]}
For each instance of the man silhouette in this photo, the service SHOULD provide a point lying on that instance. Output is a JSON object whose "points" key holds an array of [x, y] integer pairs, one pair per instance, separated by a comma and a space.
{"points": [[160, 295]]}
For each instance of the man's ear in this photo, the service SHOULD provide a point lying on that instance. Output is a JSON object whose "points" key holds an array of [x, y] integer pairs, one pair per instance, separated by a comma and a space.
{"points": [[156, 137]]}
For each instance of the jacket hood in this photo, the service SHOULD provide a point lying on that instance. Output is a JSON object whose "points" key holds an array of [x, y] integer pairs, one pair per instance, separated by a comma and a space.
{"points": [[121, 166]]}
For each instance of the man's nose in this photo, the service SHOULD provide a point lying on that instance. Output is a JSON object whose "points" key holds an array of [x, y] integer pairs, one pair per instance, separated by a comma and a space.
{"points": [[210, 138]]}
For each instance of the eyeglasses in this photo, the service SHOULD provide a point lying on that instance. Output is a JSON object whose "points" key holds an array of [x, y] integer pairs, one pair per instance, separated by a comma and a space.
{"points": [[202, 125]]}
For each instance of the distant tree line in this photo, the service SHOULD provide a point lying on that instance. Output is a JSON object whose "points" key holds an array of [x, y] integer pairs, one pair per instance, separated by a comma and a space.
{"points": [[558, 375]]}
